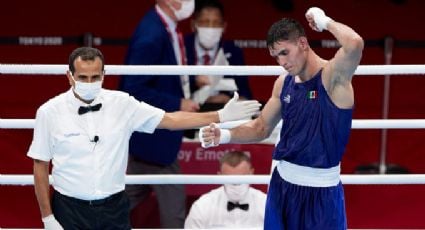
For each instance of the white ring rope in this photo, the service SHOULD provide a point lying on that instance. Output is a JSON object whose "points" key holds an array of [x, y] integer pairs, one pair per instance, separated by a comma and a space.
{"points": [[388, 124], [224, 70], [357, 124], [230, 179], [17, 123], [201, 70]]}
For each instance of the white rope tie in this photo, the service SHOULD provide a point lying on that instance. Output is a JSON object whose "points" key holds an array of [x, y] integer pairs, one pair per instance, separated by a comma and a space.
{"points": [[201, 70], [239, 179]]}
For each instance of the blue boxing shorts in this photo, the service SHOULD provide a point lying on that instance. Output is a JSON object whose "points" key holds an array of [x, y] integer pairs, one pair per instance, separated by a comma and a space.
{"points": [[313, 199]]}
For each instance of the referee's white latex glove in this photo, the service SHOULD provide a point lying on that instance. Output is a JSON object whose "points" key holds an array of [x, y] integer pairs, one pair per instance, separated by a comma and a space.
{"points": [[50, 223], [212, 135], [238, 110], [317, 19]]}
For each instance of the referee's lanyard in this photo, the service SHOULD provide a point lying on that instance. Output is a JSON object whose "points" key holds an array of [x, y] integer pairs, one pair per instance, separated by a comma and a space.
{"points": [[183, 78], [179, 38]]}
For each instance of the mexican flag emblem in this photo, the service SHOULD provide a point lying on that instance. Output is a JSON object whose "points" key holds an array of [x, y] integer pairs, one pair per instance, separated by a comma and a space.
{"points": [[312, 94]]}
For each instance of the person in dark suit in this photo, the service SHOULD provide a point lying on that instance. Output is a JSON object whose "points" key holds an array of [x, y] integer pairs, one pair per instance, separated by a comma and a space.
{"points": [[157, 41], [204, 46]]}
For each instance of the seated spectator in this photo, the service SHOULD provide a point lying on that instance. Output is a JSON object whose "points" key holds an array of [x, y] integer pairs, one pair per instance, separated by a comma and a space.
{"points": [[231, 205]]}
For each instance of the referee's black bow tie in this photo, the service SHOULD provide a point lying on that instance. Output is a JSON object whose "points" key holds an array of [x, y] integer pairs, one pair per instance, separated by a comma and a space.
{"points": [[85, 109], [231, 206]]}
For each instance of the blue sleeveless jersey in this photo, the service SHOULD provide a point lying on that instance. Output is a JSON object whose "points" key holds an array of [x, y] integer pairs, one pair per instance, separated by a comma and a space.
{"points": [[314, 130]]}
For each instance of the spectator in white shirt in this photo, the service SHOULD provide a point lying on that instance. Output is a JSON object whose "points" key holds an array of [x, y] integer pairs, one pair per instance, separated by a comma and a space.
{"points": [[231, 205], [85, 133]]}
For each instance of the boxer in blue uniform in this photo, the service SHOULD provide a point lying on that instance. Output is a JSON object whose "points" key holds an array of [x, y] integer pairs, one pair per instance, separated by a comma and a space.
{"points": [[315, 100]]}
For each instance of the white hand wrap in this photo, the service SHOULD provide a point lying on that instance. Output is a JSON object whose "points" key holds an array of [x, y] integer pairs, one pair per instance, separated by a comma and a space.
{"points": [[238, 110], [319, 18], [50, 223], [201, 139], [225, 137]]}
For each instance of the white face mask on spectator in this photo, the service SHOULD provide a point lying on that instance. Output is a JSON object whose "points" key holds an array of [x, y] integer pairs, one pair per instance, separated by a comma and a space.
{"points": [[236, 192], [87, 91], [209, 36], [186, 9]]}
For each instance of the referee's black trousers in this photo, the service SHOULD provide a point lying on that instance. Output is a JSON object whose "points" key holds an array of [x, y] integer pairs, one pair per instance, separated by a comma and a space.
{"points": [[109, 213]]}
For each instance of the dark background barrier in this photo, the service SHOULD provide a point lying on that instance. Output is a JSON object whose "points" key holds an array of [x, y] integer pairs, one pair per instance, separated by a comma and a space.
{"points": [[45, 32]]}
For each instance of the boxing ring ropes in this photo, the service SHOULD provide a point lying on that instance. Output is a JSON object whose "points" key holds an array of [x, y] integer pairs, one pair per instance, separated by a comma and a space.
{"points": [[387, 70]]}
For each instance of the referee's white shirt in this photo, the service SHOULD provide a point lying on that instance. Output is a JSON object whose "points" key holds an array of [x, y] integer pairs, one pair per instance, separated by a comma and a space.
{"points": [[83, 168], [210, 211]]}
